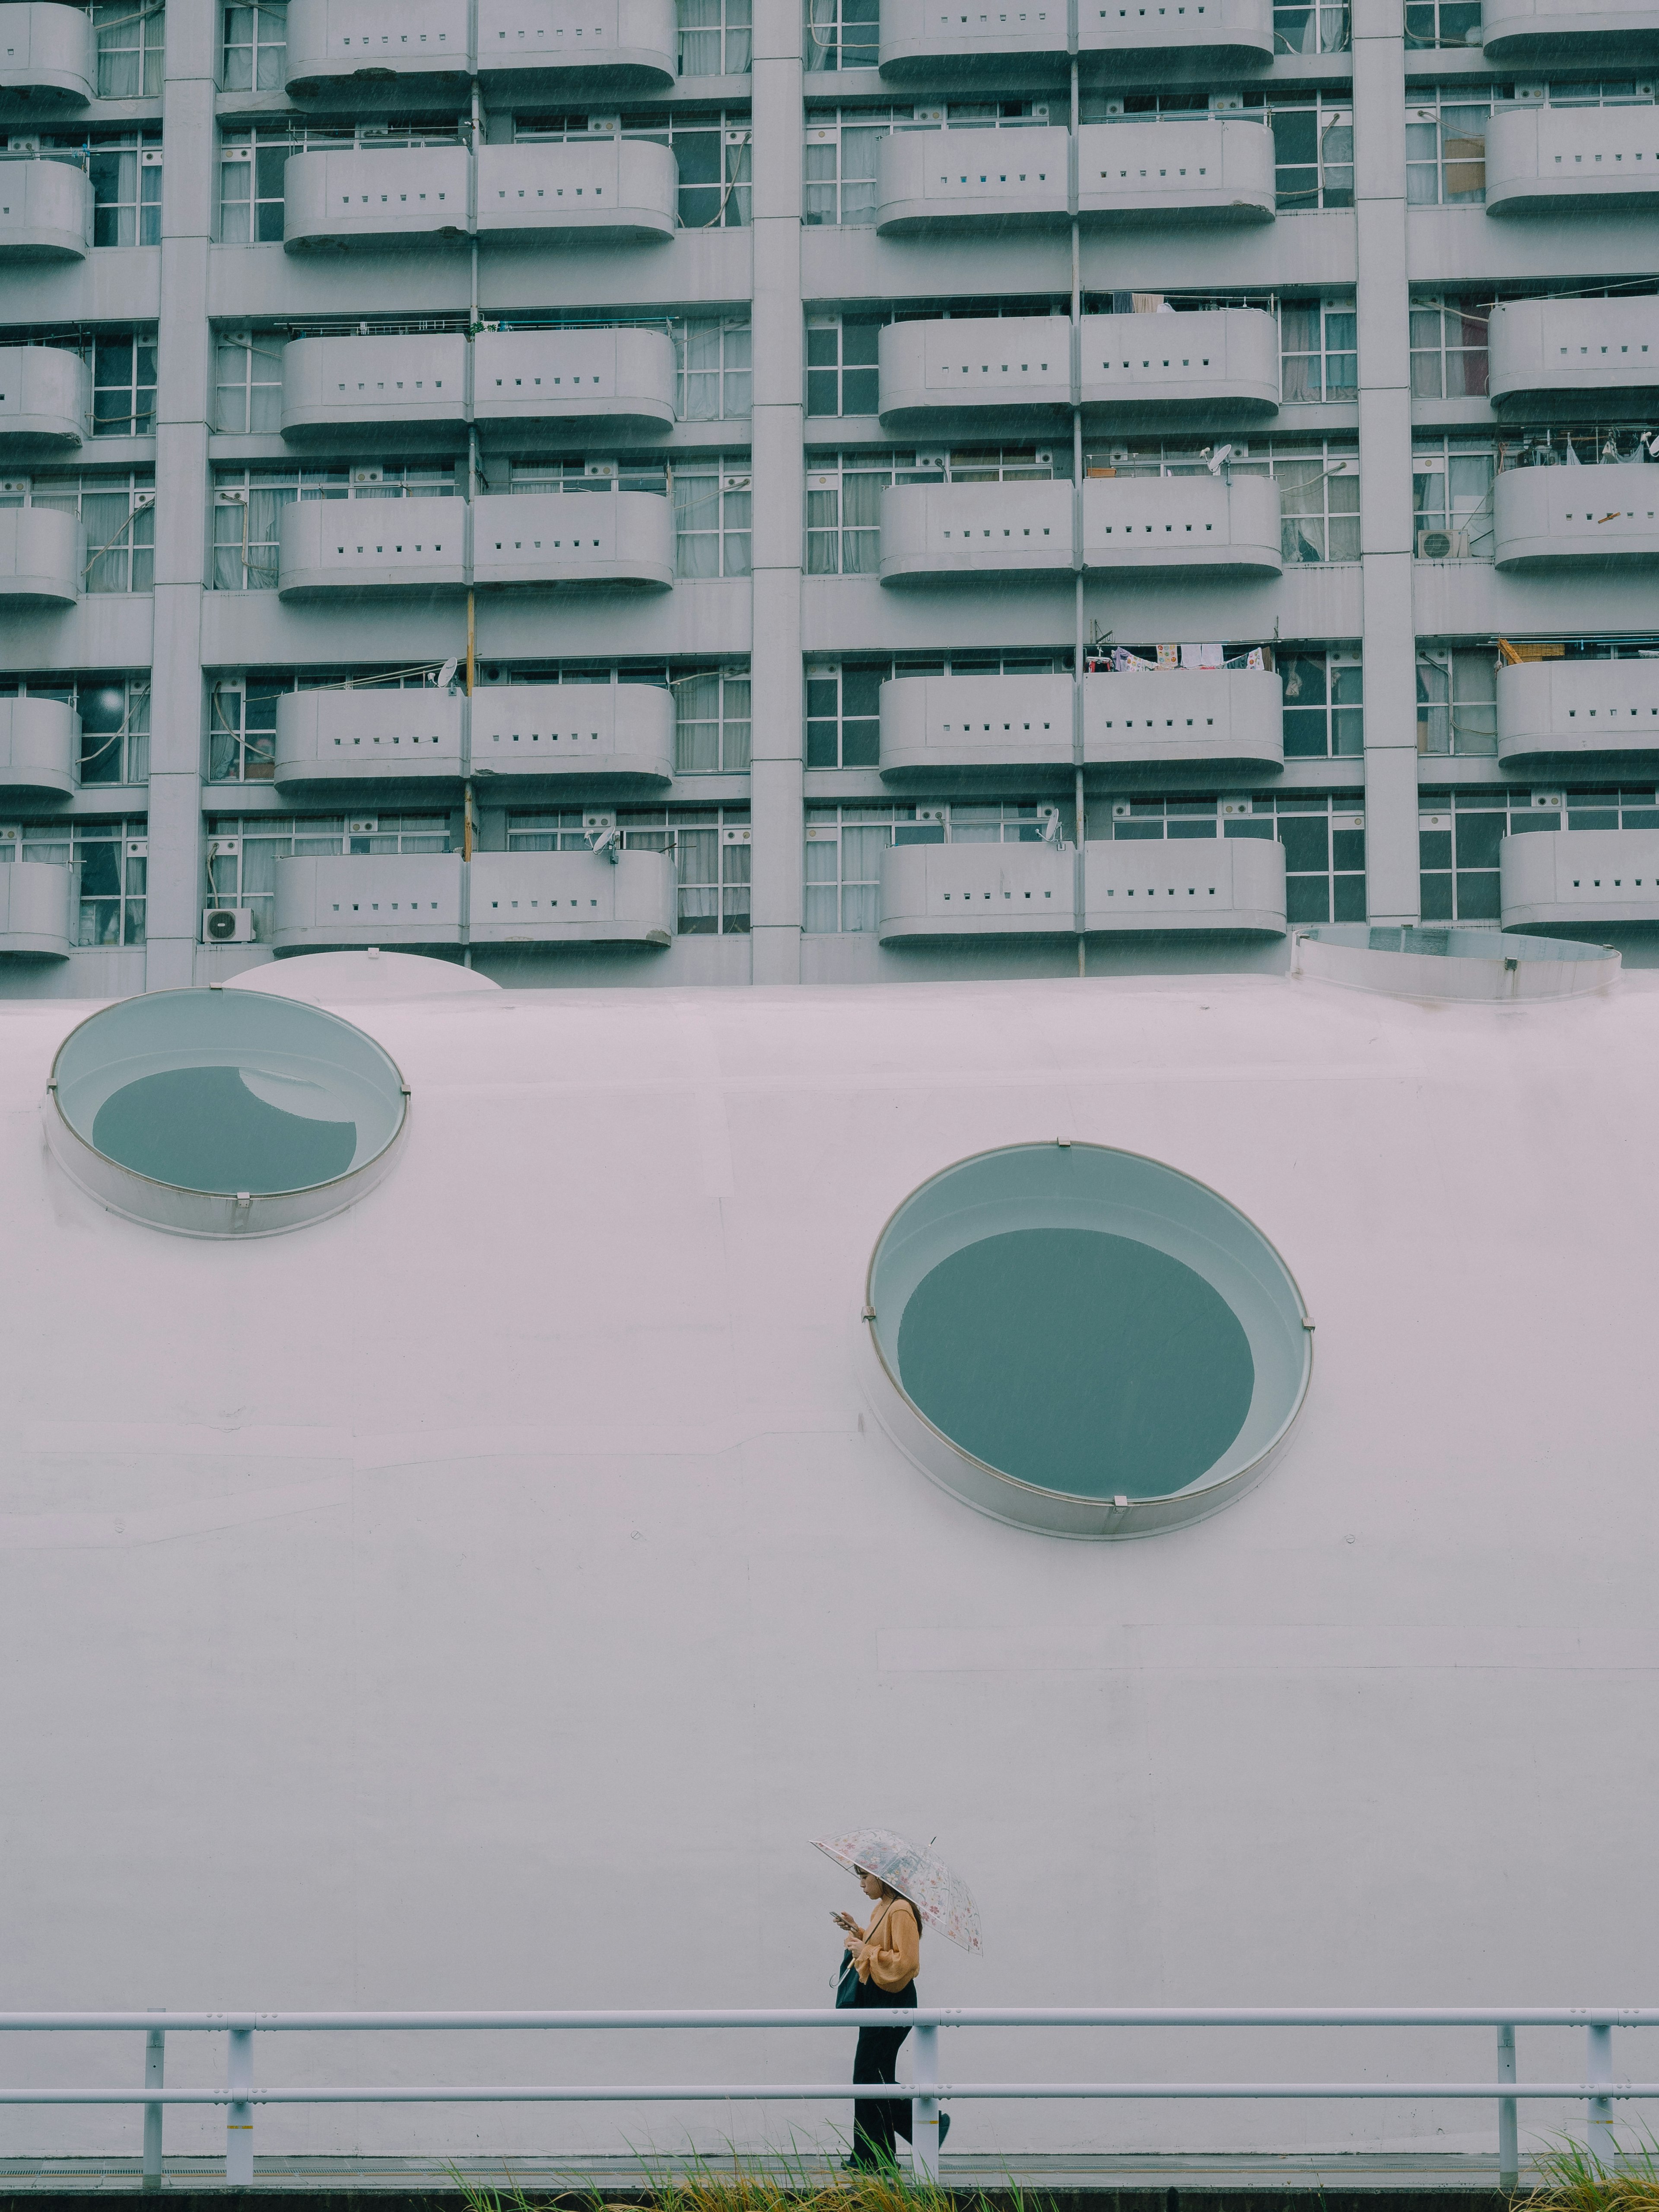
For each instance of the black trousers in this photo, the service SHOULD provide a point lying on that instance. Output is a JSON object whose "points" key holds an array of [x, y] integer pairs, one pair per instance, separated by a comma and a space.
{"points": [[876, 2120]]}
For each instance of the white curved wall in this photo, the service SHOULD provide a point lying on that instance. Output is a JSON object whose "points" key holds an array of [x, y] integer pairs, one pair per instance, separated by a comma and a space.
{"points": [[480, 1598]]}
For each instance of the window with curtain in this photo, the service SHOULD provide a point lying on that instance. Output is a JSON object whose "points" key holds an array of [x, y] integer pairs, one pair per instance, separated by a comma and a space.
{"points": [[1318, 345], [126, 187], [714, 360], [1449, 348], [711, 721], [1456, 700], [712, 519], [129, 34], [119, 515], [715, 37], [247, 382], [256, 46]]}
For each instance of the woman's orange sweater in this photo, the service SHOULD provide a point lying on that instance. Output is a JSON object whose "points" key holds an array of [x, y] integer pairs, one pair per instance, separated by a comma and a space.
{"points": [[891, 1949]]}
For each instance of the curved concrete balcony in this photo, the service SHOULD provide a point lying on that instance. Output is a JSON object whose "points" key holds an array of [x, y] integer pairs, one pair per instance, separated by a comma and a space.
{"points": [[1591, 878], [946, 533], [35, 908], [573, 899], [356, 49], [928, 180], [574, 537], [620, 733], [43, 556], [370, 733], [45, 211], [412, 388], [976, 890], [627, 188], [1207, 170], [1565, 160], [573, 45], [1149, 523], [1543, 518], [45, 399], [48, 54], [955, 722], [1545, 351], [39, 745], [1570, 708], [997, 369], [368, 898], [1235, 885], [924, 39], [1556, 30], [1226, 717], [347, 196], [354, 548], [526, 384]]}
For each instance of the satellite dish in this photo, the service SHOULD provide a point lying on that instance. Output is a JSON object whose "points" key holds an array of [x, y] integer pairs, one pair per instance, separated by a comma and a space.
{"points": [[447, 673]]}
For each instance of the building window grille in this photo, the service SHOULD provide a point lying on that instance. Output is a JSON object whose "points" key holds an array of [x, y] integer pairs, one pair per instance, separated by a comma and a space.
{"points": [[256, 46], [122, 362], [247, 382], [1324, 695], [1313, 153], [1459, 834], [712, 502], [1456, 700], [128, 35], [841, 34], [1451, 492], [243, 853], [1324, 836], [125, 171], [842, 365], [111, 907], [1441, 23], [248, 503], [713, 866], [1449, 348], [716, 39], [1446, 145], [843, 698], [839, 163], [119, 515], [714, 358], [1306, 27], [252, 162], [712, 152], [1318, 350], [711, 721], [844, 845]]}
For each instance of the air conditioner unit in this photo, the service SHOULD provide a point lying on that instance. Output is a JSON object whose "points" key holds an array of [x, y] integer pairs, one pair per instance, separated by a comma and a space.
{"points": [[227, 924], [1443, 544]]}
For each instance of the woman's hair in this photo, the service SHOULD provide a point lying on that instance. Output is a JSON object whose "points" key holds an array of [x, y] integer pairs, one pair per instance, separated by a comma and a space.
{"points": [[915, 1909]]}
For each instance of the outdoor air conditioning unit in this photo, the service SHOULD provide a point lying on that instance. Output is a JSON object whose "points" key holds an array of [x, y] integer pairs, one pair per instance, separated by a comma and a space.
{"points": [[227, 924], [1443, 544]]}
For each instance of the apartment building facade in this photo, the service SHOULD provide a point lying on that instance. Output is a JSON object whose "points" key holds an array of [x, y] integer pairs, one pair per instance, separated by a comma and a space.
{"points": [[626, 493]]}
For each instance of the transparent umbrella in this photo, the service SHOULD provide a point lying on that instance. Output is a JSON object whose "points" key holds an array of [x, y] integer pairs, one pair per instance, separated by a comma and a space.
{"points": [[942, 1898]]}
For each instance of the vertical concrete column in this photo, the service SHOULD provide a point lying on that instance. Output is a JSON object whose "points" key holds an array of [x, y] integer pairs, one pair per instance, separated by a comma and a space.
{"points": [[775, 775], [183, 383], [1385, 447]]}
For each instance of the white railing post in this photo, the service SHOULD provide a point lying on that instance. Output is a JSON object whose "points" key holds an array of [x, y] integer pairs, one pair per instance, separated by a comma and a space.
{"points": [[156, 2045], [1598, 2067], [238, 2117], [924, 2109], [1508, 2151]]}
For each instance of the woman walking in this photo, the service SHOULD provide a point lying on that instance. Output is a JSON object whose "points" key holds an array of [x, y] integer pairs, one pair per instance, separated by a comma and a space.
{"points": [[885, 1955]]}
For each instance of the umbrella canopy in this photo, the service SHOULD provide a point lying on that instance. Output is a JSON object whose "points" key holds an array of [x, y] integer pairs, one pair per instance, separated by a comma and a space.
{"points": [[942, 1899]]}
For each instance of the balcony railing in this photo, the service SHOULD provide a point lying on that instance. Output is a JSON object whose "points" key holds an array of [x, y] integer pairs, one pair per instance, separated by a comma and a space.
{"points": [[343, 48], [525, 382], [1234, 885], [370, 732], [1134, 367], [43, 556], [379, 197], [1566, 161], [618, 733], [1222, 717], [976, 890], [1592, 878], [1544, 350], [925, 38], [574, 537], [35, 898], [1574, 707], [406, 386], [1543, 518], [573, 898], [627, 188], [1558, 30], [45, 399], [45, 211], [1202, 171], [941, 533], [48, 54], [368, 898], [365, 547], [39, 745]]}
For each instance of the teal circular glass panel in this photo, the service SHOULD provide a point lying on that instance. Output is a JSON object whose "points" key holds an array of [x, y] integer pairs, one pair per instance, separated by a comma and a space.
{"points": [[1075, 1323], [235, 1095]]}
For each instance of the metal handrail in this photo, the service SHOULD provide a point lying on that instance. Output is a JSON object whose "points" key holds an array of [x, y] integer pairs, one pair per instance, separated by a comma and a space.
{"points": [[1598, 2089]]}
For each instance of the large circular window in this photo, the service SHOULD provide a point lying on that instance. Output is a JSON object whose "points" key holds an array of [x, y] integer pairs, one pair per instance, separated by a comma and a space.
{"points": [[223, 1112], [1083, 1340]]}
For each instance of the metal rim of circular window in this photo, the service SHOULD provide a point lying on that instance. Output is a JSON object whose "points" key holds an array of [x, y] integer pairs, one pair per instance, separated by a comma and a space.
{"points": [[1083, 1342], [214, 1112]]}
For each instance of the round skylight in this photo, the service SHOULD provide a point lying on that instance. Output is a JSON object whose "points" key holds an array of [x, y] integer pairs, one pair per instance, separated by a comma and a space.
{"points": [[223, 1112], [1083, 1340]]}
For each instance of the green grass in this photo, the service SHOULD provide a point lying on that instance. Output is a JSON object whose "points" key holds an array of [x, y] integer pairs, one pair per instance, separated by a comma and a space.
{"points": [[790, 2182], [1572, 2180]]}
